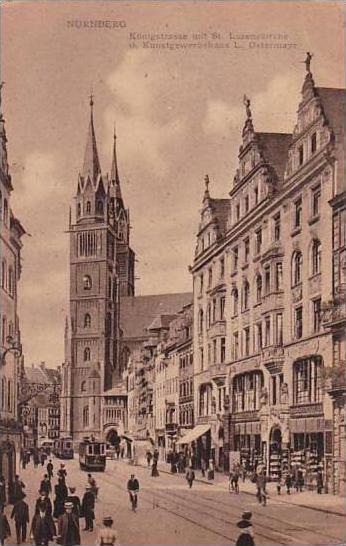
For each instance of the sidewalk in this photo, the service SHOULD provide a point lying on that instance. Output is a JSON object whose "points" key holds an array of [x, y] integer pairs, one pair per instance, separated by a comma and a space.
{"points": [[330, 504]]}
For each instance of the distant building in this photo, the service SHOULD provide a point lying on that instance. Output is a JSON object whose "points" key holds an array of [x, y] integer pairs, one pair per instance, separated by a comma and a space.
{"points": [[11, 233], [39, 402]]}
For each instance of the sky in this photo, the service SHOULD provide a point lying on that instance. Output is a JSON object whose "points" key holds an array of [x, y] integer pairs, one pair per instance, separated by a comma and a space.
{"points": [[178, 113]]}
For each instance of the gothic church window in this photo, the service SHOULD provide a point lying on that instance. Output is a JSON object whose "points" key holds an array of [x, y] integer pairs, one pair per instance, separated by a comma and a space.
{"points": [[88, 207], [86, 354], [87, 320], [78, 210], [99, 207], [85, 417], [87, 283]]}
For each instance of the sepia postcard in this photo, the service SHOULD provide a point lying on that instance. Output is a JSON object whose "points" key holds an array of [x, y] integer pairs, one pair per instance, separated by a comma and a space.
{"points": [[173, 272]]}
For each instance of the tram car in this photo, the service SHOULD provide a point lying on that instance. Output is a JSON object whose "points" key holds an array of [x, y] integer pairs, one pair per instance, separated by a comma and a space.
{"points": [[63, 448], [92, 455]]}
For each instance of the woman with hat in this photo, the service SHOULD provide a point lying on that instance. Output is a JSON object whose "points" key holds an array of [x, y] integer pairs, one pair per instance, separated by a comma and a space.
{"points": [[107, 536], [246, 535]]}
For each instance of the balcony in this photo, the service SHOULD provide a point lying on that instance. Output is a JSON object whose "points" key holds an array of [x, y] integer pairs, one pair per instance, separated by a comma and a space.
{"points": [[217, 372], [274, 352], [333, 314], [218, 328], [335, 377], [171, 427], [272, 301]]}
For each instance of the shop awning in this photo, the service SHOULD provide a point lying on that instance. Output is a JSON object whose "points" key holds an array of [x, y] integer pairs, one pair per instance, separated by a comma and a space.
{"points": [[193, 434]]}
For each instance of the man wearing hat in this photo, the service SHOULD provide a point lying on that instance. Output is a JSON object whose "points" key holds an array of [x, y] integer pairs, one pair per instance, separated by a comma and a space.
{"points": [[72, 497], [88, 507], [68, 527], [20, 514], [107, 536], [246, 535], [43, 503]]}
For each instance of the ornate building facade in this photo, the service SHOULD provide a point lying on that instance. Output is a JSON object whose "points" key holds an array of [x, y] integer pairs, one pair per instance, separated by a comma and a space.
{"points": [[101, 271], [11, 233], [262, 273]]}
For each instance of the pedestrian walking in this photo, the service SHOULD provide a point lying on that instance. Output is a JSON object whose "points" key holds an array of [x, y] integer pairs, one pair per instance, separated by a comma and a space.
{"points": [[62, 473], [68, 527], [5, 530], [36, 458], [211, 469], [319, 481], [46, 485], [107, 535], [60, 497], [20, 514], [92, 482], [288, 482], [72, 497], [17, 492], [190, 476], [133, 489], [260, 481], [149, 456], [235, 479], [43, 457], [43, 503], [154, 471], [50, 469], [246, 534], [2, 491], [203, 467], [88, 508], [42, 529]]}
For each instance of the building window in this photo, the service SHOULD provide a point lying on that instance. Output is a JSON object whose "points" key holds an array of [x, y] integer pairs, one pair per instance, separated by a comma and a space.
{"points": [[235, 255], [298, 322], [235, 301], [87, 284], [10, 281], [307, 384], [259, 337], [222, 308], [235, 347], [297, 268], [214, 351], [278, 277], [87, 320], [5, 212], [246, 389], [222, 267], [277, 227], [255, 192], [246, 249], [316, 257], [298, 213], [267, 280], [313, 143], [86, 354], [209, 315], [246, 204], [83, 386], [88, 207], [85, 417], [267, 341], [316, 305], [99, 207], [201, 282], [258, 288], [258, 241], [316, 201], [222, 350], [301, 155], [4, 330], [246, 295], [210, 277], [201, 357], [79, 210], [237, 211], [200, 321], [3, 274], [246, 341], [279, 330]]}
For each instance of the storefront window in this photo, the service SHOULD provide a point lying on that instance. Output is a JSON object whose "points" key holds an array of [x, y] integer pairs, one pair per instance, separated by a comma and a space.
{"points": [[307, 380]]}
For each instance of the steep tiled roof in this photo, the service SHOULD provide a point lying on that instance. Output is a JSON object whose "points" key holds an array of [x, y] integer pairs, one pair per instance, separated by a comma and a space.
{"points": [[34, 375], [138, 312], [161, 321], [275, 149], [221, 210], [333, 102]]}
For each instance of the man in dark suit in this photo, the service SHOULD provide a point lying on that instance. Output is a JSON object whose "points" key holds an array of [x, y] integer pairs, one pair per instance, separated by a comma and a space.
{"points": [[20, 514], [88, 507], [42, 529], [68, 527]]}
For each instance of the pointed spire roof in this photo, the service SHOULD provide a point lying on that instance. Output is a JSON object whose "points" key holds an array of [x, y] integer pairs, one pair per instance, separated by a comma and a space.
{"points": [[91, 165], [114, 170]]}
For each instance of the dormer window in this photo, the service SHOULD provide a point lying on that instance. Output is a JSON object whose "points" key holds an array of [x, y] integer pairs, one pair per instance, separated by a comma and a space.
{"points": [[301, 155]]}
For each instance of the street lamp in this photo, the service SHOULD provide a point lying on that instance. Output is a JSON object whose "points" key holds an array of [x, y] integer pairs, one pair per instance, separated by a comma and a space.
{"points": [[14, 347]]}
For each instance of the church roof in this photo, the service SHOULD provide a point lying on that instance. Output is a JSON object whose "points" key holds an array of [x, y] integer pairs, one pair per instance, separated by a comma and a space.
{"points": [[275, 149], [91, 165], [161, 321], [34, 375], [221, 211], [138, 312], [333, 102]]}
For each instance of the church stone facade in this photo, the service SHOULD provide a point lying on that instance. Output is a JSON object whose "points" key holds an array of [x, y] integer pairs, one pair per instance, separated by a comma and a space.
{"points": [[101, 271]]}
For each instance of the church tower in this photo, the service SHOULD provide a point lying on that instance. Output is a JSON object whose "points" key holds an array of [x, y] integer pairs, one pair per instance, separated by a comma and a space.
{"points": [[99, 229]]}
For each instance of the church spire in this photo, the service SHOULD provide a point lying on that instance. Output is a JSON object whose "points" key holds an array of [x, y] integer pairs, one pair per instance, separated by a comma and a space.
{"points": [[91, 165], [114, 170]]}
